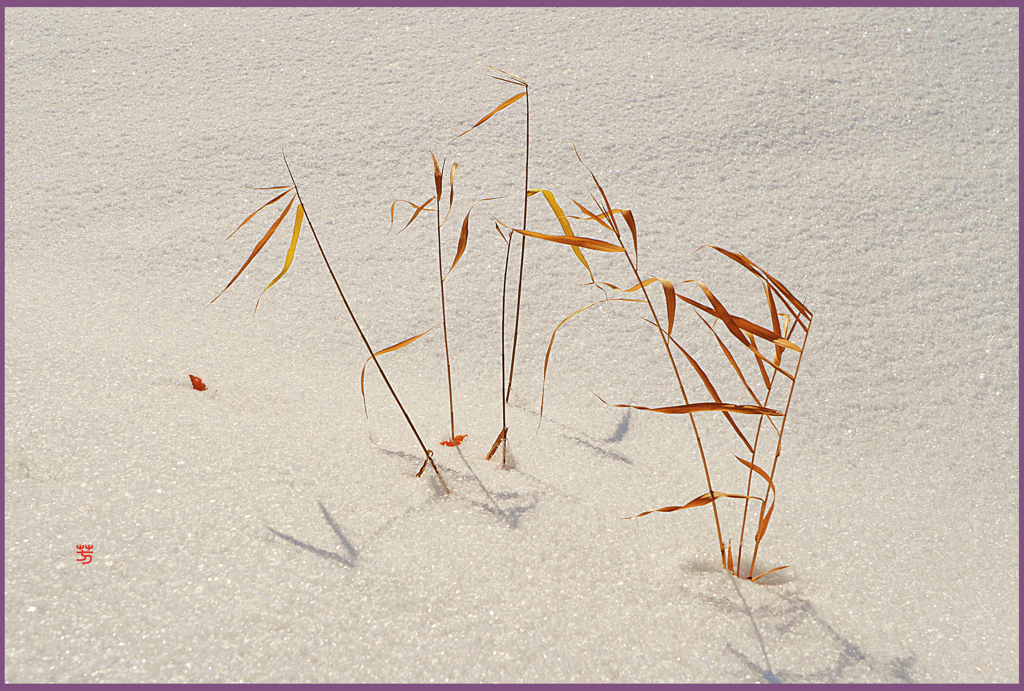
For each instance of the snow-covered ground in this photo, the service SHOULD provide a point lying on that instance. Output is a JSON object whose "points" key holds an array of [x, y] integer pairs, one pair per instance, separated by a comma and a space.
{"points": [[265, 530]]}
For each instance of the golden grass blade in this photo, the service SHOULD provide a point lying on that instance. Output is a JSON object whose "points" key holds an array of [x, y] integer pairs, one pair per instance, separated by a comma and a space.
{"points": [[702, 500], [564, 222], [777, 568], [607, 204], [635, 288], [451, 186], [705, 407], [389, 349], [586, 243], [776, 327], [437, 176], [299, 214], [732, 360], [759, 471], [416, 212], [743, 324], [626, 214], [761, 273], [729, 567], [762, 526], [551, 343], [670, 302], [599, 218], [259, 246], [505, 104], [279, 187], [250, 216], [711, 389], [464, 235]]}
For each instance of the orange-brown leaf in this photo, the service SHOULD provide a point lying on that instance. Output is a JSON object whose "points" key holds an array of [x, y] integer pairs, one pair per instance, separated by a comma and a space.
{"points": [[504, 104], [416, 212], [702, 408], [777, 568], [259, 246], [585, 243], [389, 349], [250, 216], [437, 176], [197, 383], [702, 500], [464, 235]]}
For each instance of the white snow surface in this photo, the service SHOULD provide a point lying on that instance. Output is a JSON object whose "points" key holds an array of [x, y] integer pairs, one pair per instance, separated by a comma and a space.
{"points": [[266, 530]]}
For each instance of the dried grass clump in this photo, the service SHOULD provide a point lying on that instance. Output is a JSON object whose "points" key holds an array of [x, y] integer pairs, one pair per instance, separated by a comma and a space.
{"points": [[763, 364]]}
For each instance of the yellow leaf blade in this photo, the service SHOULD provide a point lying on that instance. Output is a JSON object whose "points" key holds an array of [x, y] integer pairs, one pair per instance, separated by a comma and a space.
{"points": [[299, 213], [564, 222], [258, 247]]}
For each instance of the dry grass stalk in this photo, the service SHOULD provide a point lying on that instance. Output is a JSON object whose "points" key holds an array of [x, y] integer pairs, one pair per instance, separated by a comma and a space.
{"points": [[741, 329], [506, 391], [300, 215]]}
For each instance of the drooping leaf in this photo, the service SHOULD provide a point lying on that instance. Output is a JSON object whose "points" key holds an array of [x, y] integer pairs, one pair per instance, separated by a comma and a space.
{"points": [[551, 343], [564, 222], [416, 212], [288, 258], [586, 243], [702, 500], [515, 78], [505, 104], [711, 389], [761, 273], [250, 216], [710, 406], [464, 235], [389, 349], [259, 246]]}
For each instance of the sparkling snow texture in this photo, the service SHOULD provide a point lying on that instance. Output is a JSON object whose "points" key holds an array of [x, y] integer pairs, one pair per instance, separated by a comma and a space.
{"points": [[266, 531]]}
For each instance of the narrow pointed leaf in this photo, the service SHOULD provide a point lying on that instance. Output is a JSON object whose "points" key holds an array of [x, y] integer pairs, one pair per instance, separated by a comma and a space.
{"points": [[551, 343], [505, 104], [250, 216], [416, 212], [761, 273], [299, 213], [711, 389], [518, 80], [437, 176], [702, 408], [464, 235], [389, 349], [564, 222], [586, 243], [702, 500], [259, 246], [777, 568]]}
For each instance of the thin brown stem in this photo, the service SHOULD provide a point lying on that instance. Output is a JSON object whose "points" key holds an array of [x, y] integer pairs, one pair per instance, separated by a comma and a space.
{"points": [[444, 321], [522, 253], [429, 454], [782, 428], [682, 390]]}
